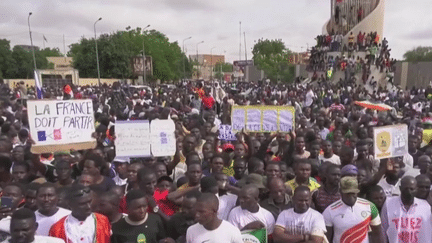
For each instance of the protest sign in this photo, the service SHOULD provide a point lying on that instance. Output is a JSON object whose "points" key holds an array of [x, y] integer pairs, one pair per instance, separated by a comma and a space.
{"points": [[254, 236], [59, 125], [270, 123], [132, 139], [390, 141], [226, 133], [263, 118], [238, 119], [163, 141], [427, 137]]}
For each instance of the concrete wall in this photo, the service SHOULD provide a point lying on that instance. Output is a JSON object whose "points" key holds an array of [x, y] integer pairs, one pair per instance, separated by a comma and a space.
{"points": [[409, 74], [300, 71]]}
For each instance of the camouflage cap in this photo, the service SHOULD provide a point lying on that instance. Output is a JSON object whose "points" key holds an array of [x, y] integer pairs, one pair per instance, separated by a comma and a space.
{"points": [[349, 184]]}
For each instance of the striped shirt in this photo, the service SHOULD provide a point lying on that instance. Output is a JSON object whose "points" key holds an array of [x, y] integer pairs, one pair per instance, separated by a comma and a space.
{"points": [[322, 199], [351, 224], [313, 184]]}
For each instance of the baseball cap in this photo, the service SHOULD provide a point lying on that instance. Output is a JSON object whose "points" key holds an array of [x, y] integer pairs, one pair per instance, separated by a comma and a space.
{"points": [[228, 147], [349, 170], [349, 184]]}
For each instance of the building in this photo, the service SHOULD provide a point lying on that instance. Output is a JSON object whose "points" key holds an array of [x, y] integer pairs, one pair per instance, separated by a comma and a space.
{"points": [[205, 66], [28, 47], [61, 74], [300, 58]]}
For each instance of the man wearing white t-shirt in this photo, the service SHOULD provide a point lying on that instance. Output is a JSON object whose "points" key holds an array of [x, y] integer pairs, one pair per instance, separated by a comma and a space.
{"points": [[301, 223], [23, 226], [328, 155], [406, 218], [250, 215], [211, 229], [48, 213], [309, 97]]}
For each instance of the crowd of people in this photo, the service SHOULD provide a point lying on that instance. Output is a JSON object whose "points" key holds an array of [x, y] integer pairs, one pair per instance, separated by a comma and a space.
{"points": [[318, 183], [356, 57], [349, 13]]}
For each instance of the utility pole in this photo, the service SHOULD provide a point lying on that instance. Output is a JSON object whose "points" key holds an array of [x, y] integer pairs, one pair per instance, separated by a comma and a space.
{"points": [[97, 54], [240, 43], [244, 34], [144, 59], [184, 69], [31, 42]]}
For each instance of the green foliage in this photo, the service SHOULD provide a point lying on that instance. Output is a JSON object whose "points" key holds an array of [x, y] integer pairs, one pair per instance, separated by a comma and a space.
{"points": [[117, 49], [419, 54], [6, 60], [218, 75], [226, 67], [18, 63], [274, 58]]}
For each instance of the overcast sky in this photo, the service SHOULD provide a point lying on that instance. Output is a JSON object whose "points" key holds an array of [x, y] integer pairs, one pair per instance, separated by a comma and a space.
{"points": [[296, 22]]}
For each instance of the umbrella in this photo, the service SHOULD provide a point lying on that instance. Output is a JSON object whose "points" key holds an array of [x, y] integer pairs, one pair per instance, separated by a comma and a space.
{"points": [[373, 106]]}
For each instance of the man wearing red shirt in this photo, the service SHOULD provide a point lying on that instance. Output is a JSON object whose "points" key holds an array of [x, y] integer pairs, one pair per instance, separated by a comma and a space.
{"points": [[207, 100], [360, 39]]}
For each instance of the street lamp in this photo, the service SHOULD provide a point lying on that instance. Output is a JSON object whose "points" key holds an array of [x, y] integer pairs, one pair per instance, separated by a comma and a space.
{"points": [[211, 62], [31, 41], [197, 57], [185, 55], [97, 54], [144, 58]]}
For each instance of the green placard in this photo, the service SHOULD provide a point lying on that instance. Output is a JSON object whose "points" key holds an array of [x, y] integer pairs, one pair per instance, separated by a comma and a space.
{"points": [[254, 236]]}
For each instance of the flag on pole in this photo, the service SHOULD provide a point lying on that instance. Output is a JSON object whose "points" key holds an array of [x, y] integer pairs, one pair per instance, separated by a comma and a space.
{"points": [[38, 85], [45, 38]]}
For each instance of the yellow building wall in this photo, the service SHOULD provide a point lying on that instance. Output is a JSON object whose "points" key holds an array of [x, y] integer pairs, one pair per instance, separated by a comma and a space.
{"points": [[82, 81]]}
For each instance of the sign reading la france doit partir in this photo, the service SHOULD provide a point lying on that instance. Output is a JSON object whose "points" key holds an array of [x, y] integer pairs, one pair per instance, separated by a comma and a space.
{"points": [[58, 125]]}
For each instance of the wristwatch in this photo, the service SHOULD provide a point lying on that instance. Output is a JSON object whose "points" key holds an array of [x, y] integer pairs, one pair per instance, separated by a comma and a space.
{"points": [[156, 209]]}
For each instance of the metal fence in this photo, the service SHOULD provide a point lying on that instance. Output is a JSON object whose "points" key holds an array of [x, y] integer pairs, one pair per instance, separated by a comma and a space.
{"points": [[351, 14], [54, 82]]}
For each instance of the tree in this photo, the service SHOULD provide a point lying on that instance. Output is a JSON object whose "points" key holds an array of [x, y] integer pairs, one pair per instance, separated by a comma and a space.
{"points": [[225, 67], [419, 54], [273, 57], [117, 49], [18, 63], [6, 59]]}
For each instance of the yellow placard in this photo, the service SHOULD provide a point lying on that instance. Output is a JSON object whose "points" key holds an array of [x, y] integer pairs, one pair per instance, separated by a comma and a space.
{"points": [[263, 118]]}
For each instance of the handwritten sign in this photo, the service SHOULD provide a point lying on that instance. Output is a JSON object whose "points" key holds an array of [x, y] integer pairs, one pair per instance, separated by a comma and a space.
{"points": [[238, 119], [226, 133], [270, 120], [253, 120], [132, 139], [163, 142], [263, 118], [285, 120], [391, 141], [59, 125]]}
